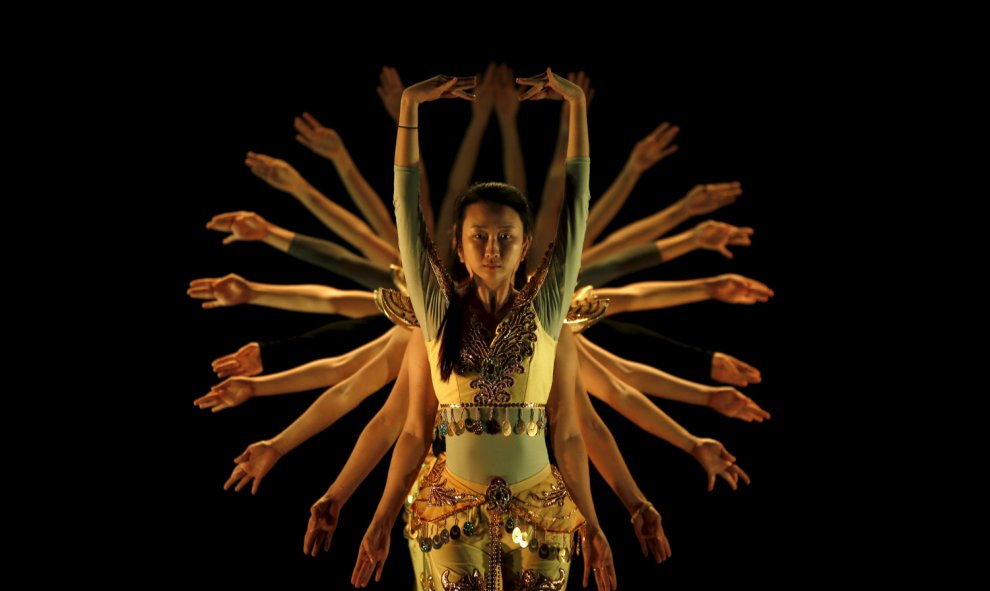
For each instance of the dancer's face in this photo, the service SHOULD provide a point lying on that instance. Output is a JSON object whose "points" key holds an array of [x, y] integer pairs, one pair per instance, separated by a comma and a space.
{"points": [[492, 243]]}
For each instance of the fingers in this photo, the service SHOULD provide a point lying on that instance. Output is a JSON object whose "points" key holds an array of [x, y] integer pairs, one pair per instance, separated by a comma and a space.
{"points": [[741, 473], [208, 401], [711, 482], [257, 483], [233, 238], [587, 564], [642, 545], [244, 481], [212, 304], [729, 477], [304, 140], [531, 80], [302, 126], [378, 571], [721, 248], [235, 476], [311, 120]]}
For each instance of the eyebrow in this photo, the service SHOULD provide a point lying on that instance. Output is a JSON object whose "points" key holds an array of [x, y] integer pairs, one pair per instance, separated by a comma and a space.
{"points": [[510, 226]]}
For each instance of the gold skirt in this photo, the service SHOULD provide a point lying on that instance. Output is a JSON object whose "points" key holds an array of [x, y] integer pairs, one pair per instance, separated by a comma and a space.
{"points": [[491, 536]]}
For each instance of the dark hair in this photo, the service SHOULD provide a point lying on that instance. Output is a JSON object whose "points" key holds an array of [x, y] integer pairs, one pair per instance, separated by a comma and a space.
{"points": [[452, 327]]}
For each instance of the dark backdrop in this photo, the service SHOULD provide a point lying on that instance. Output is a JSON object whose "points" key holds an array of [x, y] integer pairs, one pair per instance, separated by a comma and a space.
{"points": [[738, 121]]}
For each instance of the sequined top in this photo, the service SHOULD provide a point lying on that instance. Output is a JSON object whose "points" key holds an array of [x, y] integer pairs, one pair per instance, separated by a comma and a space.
{"points": [[515, 365]]}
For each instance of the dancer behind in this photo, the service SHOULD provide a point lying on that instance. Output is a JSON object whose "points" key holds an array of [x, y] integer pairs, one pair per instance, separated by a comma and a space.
{"points": [[492, 242]]}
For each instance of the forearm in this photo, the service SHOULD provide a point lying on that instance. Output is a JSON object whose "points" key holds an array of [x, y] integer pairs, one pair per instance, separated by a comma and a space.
{"points": [[652, 295], [321, 373], [649, 380], [337, 259], [512, 154], [605, 455], [636, 233], [336, 402], [346, 225], [425, 204], [572, 460], [578, 143], [366, 199], [406, 460], [677, 245], [610, 203], [375, 440], [278, 237], [319, 299], [553, 194]]}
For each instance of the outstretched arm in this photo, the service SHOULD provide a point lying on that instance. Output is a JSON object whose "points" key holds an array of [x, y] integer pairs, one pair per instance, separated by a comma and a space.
{"points": [[376, 438], [316, 374], [605, 455], [410, 449], [639, 410], [506, 109], [648, 151], [345, 224], [327, 143], [702, 198], [650, 380], [651, 295], [233, 290]]}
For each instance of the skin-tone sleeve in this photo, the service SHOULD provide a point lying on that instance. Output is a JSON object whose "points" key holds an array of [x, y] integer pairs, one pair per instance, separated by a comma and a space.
{"points": [[628, 261]]}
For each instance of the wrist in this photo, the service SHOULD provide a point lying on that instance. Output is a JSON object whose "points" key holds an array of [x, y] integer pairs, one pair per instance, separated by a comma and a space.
{"points": [[279, 444], [631, 170], [336, 495], [342, 161], [641, 508]]}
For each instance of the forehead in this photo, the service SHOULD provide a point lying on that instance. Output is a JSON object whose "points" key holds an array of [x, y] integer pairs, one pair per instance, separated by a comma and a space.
{"points": [[491, 215]]}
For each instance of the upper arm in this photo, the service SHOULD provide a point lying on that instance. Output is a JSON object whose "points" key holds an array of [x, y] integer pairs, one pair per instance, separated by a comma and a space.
{"points": [[554, 297], [427, 282], [422, 401]]}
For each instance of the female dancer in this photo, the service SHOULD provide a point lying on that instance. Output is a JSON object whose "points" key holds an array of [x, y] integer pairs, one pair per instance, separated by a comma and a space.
{"points": [[487, 384]]}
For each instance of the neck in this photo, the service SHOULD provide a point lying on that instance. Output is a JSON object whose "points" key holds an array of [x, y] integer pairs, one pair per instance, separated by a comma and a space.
{"points": [[493, 299]]}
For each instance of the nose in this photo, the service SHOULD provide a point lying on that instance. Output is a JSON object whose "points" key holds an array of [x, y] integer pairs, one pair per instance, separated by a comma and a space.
{"points": [[491, 249]]}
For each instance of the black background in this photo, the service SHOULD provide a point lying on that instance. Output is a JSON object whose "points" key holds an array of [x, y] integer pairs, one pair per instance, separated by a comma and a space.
{"points": [[738, 121]]}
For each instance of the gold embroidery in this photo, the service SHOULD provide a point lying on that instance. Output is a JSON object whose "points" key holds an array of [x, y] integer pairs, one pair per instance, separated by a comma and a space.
{"points": [[556, 494], [586, 309], [397, 307], [426, 581], [537, 581], [472, 582], [439, 493]]}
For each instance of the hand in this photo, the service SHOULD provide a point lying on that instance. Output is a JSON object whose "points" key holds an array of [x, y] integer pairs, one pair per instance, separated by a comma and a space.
{"points": [[712, 235], [254, 464], [322, 140], [598, 559], [390, 91], [653, 148], [550, 86], [703, 199], [242, 225], [324, 516], [441, 86], [371, 554], [275, 172], [729, 370], [582, 80], [245, 362], [227, 394], [486, 91], [649, 532], [733, 403], [715, 460], [231, 290], [736, 289]]}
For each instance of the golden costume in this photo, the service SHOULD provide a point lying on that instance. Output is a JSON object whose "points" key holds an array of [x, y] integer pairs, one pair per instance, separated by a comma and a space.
{"points": [[497, 534]]}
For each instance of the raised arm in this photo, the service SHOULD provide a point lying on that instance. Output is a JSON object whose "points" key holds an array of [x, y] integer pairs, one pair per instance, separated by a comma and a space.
{"points": [[345, 224], [651, 295], [233, 290], [554, 297], [648, 151], [650, 380], [410, 449], [376, 438], [467, 158], [327, 143], [506, 109], [640, 411], [652, 227], [426, 280], [604, 454]]}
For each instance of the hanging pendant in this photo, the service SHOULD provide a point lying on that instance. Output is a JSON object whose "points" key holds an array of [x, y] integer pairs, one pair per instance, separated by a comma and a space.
{"points": [[492, 426], [468, 528], [531, 429], [520, 426], [544, 550], [461, 424]]}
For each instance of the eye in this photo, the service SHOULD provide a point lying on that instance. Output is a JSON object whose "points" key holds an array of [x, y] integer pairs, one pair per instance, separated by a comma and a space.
{"points": [[479, 236], [505, 236]]}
